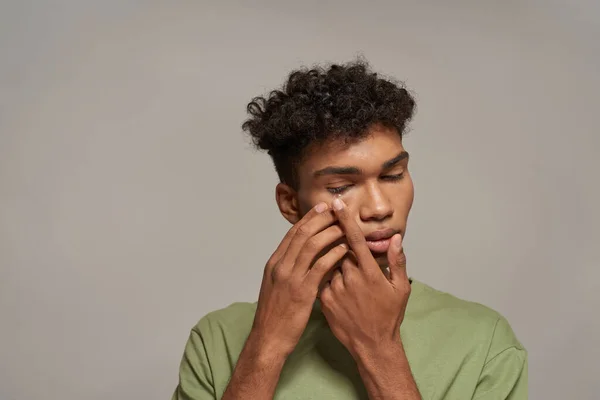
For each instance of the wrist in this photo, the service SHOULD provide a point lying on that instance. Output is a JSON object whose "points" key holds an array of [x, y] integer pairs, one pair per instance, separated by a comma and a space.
{"points": [[257, 370], [382, 353], [386, 372], [265, 349]]}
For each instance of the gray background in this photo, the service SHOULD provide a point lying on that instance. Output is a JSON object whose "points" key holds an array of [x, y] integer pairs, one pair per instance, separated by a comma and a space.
{"points": [[131, 204]]}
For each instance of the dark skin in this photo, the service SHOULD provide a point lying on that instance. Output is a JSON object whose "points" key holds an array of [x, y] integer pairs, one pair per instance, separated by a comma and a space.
{"points": [[345, 193]]}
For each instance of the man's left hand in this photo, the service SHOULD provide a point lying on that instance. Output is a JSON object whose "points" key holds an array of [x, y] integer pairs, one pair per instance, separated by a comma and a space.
{"points": [[363, 306]]}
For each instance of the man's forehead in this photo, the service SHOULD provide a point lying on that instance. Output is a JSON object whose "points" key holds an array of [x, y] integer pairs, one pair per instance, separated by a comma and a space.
{"points": [[372, 149]]}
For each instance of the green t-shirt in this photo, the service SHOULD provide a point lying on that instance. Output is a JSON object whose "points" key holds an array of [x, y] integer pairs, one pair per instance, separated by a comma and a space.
{"points": [[457, 350]]}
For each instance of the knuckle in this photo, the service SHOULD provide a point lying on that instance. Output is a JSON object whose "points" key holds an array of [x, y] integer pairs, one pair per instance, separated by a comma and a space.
{"points": [[337, 285], [350, 277], [294, 229], [403, 286], [326, 296], [270, 264], [337, 281], [279, 274], [303, 231], [268, 273], [320, 265], [406, 287], [312, 245]]}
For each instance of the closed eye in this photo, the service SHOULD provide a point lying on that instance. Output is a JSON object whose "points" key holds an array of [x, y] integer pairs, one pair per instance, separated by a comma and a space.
{"points": [[344, 188], [339, 189], [393, 178]]}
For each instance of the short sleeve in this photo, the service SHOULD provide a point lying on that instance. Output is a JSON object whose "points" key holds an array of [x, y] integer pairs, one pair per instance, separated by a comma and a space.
{"points": [[505, 373], [195, 376]]}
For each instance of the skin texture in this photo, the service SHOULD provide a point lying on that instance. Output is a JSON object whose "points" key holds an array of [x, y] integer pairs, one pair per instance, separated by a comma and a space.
{"points": [[325, 254]]}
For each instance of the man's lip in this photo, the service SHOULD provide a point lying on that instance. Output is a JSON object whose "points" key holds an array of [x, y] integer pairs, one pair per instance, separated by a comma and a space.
{"points": [[381, 234]]}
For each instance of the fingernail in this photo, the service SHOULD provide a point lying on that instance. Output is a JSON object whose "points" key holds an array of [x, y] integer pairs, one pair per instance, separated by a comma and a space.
{"points": [[338, 204], [397, 241], [321, 207]]}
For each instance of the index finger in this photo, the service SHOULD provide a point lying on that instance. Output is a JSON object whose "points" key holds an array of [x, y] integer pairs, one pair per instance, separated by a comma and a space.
{"points": [[355, 237], [287, 239]]}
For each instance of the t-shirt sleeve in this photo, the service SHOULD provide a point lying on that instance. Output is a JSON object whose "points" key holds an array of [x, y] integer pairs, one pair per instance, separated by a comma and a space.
{"points": [[195, 376], [504, 374]]}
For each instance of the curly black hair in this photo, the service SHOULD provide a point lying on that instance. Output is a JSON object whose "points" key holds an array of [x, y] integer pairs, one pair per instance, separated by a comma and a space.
{"points": [[339, 102]]}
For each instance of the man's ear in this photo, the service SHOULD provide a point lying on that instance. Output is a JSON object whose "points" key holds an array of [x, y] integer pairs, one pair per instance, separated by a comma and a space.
{"points": [[287, 201]]}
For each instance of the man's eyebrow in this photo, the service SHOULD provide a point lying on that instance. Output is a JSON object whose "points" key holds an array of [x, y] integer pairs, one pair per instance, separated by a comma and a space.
{"points": [[355, 170], [390, 163], [337, 171]]}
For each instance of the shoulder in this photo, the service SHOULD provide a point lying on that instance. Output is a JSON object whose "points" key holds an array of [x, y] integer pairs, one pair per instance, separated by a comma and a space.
{"points": [[234, 316], [227, 327], [457, 317]]}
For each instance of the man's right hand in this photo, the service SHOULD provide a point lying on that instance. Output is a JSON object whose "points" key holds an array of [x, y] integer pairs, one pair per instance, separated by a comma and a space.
{"points": [[289, 288], [291, 280]]}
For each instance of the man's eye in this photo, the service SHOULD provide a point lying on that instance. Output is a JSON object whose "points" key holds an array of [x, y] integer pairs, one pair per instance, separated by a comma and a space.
{"points": [[393, 178], [339, 189]]}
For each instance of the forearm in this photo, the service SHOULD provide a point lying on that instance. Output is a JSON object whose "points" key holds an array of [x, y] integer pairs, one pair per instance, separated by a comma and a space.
{"points": [[256, 372], [386, 373]]}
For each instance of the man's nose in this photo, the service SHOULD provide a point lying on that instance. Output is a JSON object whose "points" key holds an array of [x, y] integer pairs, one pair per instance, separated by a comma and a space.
{"points": [[375, 205]]}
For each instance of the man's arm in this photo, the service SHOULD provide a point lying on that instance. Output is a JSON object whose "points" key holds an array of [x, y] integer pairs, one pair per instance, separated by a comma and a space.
{"points": [[504, 374], [287, 294], [386, 373], [365, 308], [195, 375], [288, 291], [256, 372], [504, 377], [255, 375]]}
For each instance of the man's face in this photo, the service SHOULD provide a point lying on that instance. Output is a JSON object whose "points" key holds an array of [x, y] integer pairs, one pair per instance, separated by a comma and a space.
{"points": [[371, 176]]}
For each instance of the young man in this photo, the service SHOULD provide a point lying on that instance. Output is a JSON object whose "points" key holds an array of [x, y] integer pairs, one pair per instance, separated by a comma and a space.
{"points": [[337, 316]]}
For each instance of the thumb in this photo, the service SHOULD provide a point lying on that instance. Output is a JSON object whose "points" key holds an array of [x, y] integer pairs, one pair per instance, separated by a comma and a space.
{"points": [[397, 260]]}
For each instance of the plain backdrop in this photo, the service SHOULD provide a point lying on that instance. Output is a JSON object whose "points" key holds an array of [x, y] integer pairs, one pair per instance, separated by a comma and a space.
{"points": [[131, 203]]}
